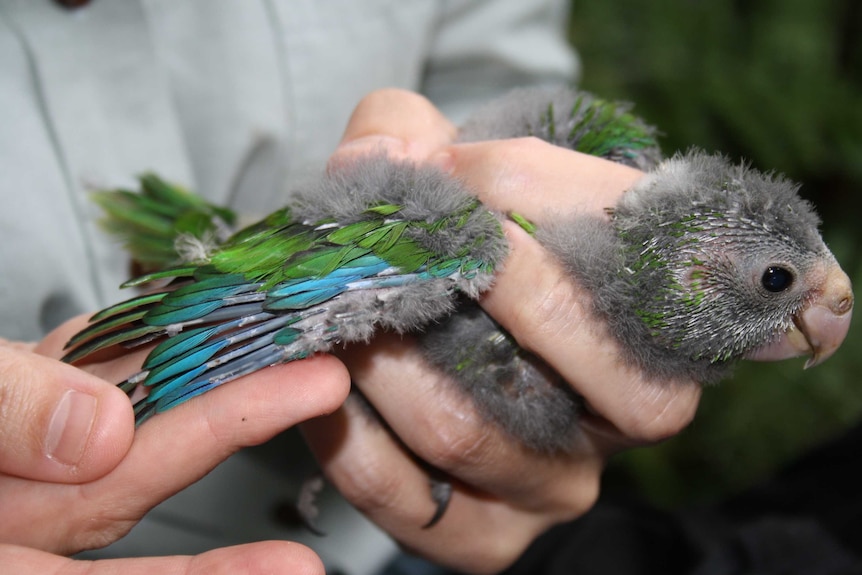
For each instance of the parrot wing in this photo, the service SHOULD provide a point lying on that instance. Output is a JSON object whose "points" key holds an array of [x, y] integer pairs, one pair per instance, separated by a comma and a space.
{"points": [[290, 286], [572, 119]]}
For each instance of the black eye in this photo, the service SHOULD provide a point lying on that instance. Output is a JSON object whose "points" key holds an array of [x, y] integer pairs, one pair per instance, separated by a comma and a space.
{"points": [[776, 279]]}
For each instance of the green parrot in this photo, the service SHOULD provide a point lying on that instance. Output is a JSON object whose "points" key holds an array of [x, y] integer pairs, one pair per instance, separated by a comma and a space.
{"points": [[702, 263]]}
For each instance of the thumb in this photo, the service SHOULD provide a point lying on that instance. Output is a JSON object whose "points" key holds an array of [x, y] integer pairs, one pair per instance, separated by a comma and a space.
{"points": [[251, 559], [58, 423]]}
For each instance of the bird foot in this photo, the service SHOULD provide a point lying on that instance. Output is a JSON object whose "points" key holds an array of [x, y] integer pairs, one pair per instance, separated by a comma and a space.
{"points": [[306, 503]]}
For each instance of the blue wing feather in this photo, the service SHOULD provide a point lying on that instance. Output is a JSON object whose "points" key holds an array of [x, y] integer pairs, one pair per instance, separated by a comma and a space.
{"points": [[198, 355], [305, 299], [169, 315], [262, 358], [181, 343]]}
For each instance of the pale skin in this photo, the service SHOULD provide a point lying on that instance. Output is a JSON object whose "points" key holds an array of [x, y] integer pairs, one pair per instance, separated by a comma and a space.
{"points": [[504, 495]]}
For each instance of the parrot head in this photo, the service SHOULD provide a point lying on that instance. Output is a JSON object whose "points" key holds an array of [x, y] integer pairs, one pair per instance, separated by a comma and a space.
{"points": [[729, 264]]}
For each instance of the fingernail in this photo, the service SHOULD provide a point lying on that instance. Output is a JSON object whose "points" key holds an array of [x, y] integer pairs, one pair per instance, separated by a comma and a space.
{"points": [[70, 426]]}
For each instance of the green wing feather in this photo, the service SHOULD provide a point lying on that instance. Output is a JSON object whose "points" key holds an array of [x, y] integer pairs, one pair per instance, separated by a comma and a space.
{"points": [[602, 128], [150, 220]]}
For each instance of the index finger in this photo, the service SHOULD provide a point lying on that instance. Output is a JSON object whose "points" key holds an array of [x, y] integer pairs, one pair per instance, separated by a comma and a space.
{"points": [[537, 179], [403, 124]]}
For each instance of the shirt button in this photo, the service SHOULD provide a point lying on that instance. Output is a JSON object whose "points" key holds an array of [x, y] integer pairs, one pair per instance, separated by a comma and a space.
{"points": [[72, 3]]}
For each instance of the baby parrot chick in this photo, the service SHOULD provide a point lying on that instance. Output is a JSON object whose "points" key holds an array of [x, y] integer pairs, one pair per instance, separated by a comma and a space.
{"points": [[702, 263]]}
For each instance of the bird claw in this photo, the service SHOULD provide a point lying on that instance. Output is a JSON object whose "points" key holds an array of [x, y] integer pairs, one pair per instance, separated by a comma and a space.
{"points": [[306, 503], [307, 510], [441, 494]]}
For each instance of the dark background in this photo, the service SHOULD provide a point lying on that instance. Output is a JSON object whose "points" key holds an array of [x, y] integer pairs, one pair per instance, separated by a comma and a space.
{"points": [[778, 83]]}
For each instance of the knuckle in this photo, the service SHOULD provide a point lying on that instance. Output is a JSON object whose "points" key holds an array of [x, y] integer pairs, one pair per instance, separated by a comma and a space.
{"points": [[15, 400], [369, 487], [580, 499], [99, 519], [505, 178], [375, 107], [660, 411], [517, 178], [457, 440], [555, 312], [569, 494]]}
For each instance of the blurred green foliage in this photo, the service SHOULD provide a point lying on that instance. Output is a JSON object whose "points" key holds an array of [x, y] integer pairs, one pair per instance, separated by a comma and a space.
{"points": [[779, 83]]}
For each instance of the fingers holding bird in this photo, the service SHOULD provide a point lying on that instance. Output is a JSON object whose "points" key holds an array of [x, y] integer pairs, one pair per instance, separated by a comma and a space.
{"points": [[383, 468], [548, 315], [101, 507], [551, 316], [434, 433]]}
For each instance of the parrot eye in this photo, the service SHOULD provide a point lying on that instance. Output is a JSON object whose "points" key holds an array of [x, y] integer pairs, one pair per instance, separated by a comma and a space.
{"points": [[776, 279]]}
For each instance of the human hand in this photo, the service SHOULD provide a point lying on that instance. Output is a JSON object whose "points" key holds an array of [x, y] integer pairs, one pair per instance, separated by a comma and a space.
{"points": [[504, 495], [73, 478]]}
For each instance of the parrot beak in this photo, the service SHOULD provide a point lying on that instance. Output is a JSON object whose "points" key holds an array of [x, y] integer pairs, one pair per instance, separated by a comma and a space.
{"points": [[825, 323], [819, 329]]}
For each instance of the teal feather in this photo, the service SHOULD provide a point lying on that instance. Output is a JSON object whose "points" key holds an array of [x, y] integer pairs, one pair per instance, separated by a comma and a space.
{"points": [[173, 369], [169, 315], [300, 286], [287, 336], [178, 345], [202, 292], [305, 299], [166, 394], [195, 387]]}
